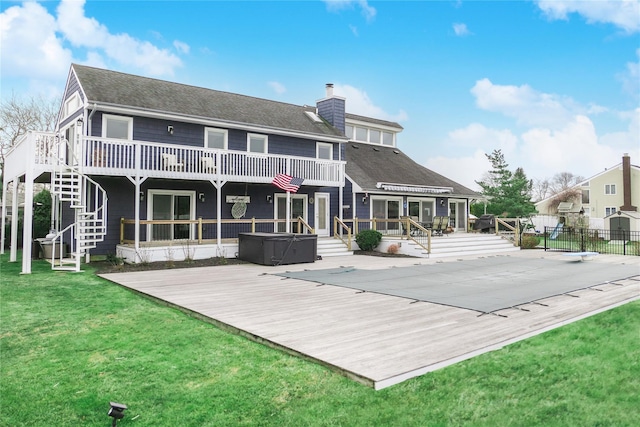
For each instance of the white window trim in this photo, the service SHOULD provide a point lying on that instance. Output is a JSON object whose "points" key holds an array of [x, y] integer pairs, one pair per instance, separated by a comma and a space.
{"points": [[75, 99], [129, 120], [192, 206], [610, 187], [223, 131], [611, 209], [324, 144], [259, 135]]}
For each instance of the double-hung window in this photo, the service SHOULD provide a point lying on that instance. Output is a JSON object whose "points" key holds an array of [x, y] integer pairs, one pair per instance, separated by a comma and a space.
{"points": [[610, 189], [215, 138], [117, 127], [257, 143]]}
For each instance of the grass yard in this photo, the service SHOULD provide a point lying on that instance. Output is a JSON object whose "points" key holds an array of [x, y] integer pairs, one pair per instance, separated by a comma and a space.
{"points": [[72, 342]]}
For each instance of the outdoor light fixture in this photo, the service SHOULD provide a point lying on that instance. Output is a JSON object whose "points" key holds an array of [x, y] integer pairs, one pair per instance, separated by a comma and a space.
{"points": [[201, 197], [170, 129], [364, 198], [116, 411], [441, 202], [269, 198], [142, 196]]}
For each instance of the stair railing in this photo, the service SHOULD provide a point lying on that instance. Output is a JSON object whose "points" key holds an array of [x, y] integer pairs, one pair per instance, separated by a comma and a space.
{"points": [[339, 231], [89, 214]]}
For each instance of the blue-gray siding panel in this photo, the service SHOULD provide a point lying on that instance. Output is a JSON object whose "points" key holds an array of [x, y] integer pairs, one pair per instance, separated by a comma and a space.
{"points": [[155, 130]]}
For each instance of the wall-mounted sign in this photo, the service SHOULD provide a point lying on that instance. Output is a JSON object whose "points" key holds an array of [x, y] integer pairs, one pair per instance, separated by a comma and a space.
{"points": [[238, 199]]}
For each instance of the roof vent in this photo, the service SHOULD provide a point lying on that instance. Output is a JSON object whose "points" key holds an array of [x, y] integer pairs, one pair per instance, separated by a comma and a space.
{"points": [[396, 151], [376, 149], [355, 146]]}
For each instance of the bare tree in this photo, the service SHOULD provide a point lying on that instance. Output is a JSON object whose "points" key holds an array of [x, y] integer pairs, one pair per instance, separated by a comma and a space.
{"points": [[561, 186], [540, 189], [20, 115], [563, 181]]}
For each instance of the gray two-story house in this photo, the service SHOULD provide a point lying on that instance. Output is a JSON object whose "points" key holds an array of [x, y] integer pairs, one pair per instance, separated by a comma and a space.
{"points": [[150, 169]]}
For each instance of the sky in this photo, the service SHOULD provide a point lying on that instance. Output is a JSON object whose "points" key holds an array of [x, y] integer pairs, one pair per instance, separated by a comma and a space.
{"points": [[554, 84]]}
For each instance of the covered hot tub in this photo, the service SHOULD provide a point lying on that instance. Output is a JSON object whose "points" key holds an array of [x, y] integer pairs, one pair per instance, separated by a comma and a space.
{"points": [[277, 248]]}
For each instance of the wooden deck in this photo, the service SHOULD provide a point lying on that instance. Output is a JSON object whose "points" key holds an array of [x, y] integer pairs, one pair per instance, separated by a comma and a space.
{"points": [[378, 340]]}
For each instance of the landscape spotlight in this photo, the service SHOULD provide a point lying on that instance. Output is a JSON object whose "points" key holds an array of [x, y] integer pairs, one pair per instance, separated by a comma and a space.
{"points": [[116, 411]]}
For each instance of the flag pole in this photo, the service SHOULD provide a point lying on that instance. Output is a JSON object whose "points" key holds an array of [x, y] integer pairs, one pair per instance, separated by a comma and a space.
{"points": [[288, 228]]}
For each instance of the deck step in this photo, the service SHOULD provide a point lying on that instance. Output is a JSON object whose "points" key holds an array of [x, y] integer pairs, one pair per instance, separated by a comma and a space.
{"points": [[460, 244], [328, 247]]}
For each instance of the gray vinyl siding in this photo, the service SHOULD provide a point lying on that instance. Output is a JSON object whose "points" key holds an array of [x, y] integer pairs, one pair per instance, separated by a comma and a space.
{"points": [[72, 87], [155, 130]]}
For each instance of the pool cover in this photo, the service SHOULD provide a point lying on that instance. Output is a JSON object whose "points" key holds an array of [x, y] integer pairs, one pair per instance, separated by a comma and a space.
{"points": [[485, 285]]}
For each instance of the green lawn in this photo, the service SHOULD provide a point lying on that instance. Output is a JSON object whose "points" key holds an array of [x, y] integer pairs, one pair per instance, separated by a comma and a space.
{"points": [[72, 342]]}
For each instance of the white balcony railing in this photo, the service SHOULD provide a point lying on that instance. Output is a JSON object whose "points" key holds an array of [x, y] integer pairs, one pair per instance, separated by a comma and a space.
{"points": [[123, 157]]}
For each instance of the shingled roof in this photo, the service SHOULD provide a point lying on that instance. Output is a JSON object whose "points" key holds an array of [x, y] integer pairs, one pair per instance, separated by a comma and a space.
{"points": [[146, 94], [367, 165]]}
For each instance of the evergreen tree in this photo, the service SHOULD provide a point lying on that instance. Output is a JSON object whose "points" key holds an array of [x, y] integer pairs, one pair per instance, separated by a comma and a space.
{"points": [[508, 193]]}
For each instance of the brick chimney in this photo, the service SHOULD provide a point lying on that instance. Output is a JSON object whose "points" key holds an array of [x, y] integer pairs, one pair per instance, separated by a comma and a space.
{"points": [[626, 184], [332, 108]]}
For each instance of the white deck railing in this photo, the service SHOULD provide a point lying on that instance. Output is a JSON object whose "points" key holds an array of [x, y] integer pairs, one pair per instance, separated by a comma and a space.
{"points": [[126, 158]]}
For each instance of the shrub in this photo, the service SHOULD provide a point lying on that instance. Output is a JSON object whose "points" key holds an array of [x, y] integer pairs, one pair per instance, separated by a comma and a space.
{"points": [[368, 240], [529, 241], [393, 249]]}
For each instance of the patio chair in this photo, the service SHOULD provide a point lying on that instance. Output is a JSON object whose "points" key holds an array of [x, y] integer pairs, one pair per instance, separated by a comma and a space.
{"points": [[440, 225], [170, 162], [207, 164]]}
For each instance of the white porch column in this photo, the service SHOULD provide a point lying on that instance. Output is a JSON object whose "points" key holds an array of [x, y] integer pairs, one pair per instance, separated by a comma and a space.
{"points": [[4, 213], [27, 221], [218, 215], [288, 214], [13, 257]]}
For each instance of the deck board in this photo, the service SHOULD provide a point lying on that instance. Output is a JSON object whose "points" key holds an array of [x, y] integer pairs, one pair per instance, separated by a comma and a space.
{"points": [[377, 339]]}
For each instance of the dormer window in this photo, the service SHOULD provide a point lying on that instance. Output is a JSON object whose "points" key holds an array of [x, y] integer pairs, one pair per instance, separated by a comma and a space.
{"points": [[370, 135]]}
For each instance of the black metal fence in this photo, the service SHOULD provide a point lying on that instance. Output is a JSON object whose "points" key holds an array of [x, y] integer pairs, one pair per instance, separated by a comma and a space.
{"points": [[617, 242]]}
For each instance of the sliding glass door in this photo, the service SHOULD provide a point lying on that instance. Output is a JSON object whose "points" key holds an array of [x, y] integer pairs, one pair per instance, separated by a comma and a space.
{"points": [[171, 206]]}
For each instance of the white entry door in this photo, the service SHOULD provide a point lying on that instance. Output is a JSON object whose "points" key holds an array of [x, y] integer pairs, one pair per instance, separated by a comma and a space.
{"points": [[322, 223]]}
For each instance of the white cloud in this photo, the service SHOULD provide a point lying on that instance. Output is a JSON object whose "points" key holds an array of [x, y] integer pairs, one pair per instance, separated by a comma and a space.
{"points": [[630, 78], [476, 135], [38, 46], [181, 47], [574, 148], [479, 140], [464, 170], [30, 45], [354, 30], [87, 32], [369, 12], [461, 29], [525, 104], [621, 13], [277, 87], [358, 102]]}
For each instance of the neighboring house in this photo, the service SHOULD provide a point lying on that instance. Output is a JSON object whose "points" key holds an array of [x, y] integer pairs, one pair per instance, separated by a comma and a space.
{"points": [[139, 164], [617, 189]]}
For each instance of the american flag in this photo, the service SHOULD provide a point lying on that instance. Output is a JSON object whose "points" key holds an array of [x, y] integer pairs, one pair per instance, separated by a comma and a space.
{"points": [[287, 182]]}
